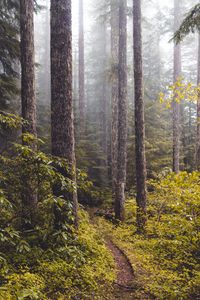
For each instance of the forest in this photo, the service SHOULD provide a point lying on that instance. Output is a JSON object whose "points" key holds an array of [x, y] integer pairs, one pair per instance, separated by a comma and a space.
{"points": [[99, 149]]}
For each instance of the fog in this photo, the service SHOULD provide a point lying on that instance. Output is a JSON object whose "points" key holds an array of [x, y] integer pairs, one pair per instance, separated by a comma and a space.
{"points": [[157, 28]]}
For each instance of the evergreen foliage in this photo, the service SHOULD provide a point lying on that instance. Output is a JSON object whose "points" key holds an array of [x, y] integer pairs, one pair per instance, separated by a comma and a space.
{"points": [[32, 258], [190, 24], [166, 259], [42, 254], [9, 51]]}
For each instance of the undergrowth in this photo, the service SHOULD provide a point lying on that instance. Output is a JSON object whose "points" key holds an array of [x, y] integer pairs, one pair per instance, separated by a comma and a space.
{"points": [[167, 259], [82, 269], [41, 257]]}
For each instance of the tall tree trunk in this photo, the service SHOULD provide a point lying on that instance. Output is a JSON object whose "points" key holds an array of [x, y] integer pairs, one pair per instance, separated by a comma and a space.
{"points": [[103, 102], [114, 89], [122, 113], [28, 66], [175, 105], [139, 118], [47, 55], [28, 98], [198, 114], [62, 120], [75, 92], [81, 68]]}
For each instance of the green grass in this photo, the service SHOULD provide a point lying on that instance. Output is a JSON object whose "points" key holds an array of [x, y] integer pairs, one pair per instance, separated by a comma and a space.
{"points": [[167, 259]]}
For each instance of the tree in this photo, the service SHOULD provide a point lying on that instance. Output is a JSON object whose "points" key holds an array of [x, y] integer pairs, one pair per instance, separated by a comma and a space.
{"points": [[190, 24], [139, 118], [81, 67], [122, 113], [103, 98], [175, 105], [28, 66], [62, 127], [9, 52], [28, 102], [198, 112], [114, 89]]}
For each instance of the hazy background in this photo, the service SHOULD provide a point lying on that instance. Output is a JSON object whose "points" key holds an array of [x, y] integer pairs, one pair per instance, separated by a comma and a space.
{"points": [[157, 29]]}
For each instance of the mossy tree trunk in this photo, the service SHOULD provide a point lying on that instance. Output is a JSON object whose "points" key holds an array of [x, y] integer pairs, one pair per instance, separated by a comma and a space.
{"points": [[175, 104], [139, 119], [81, 69], [62, 119], [122, 113], [28, 104], [114, 90]]}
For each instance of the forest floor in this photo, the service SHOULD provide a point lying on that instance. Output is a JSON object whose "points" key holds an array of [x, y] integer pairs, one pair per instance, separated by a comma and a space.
{"points": [[123, 287]]}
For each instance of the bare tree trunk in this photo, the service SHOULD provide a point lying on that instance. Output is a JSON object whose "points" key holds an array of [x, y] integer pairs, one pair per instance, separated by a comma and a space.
{"points": [[139, 118], [81, 68], [198, 115], [28, 66], [103, 102], [75, 92], [28, 98], [62, 119], [114, 89], [176, 106], [47, 55], [122, 113]]}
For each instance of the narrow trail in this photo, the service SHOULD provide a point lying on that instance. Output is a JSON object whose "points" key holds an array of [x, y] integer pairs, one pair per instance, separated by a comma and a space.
{"points": [[123, 288], [125, 273]]}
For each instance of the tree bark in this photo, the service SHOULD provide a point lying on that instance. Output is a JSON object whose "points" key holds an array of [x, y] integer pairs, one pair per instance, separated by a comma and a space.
{"points": [[122, 113], [62, 119], [198, 114], [28, 66], [81, 68], [175, 104], [28, 101], [139, 119], [114, 90], [47, 55], [103, 100]]}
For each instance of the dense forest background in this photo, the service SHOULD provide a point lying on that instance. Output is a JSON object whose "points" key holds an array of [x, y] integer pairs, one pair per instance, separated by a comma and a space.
{"points": [[158, 74], [99, 149]]}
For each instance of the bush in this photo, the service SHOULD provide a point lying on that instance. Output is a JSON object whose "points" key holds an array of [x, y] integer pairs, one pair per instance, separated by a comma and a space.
{"points": [[167, 259], [39, 260]]}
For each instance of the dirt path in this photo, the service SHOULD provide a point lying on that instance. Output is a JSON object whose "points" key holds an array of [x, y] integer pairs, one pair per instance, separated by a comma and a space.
{"points": [[124, 285], [123, 288]]}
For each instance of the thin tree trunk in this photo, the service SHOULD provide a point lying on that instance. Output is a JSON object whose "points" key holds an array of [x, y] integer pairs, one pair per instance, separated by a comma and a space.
{"points": [[175, 105], [62, 120], [81, 68], [122, 113], [139, 119], [198, 115], [28, 98], [103, 102], [75, 94], [47, 55], [114, 89]]}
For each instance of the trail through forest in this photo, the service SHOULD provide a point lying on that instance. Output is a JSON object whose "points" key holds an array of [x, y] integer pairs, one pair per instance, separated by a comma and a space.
{"points": [[123, 288]]}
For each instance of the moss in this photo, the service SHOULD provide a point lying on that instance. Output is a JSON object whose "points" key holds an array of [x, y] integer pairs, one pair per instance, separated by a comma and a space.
{"points": [[166, 259], [83, 269]]}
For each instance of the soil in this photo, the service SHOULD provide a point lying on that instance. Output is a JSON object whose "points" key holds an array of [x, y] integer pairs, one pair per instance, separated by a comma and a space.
{"points": [[123, 287]]}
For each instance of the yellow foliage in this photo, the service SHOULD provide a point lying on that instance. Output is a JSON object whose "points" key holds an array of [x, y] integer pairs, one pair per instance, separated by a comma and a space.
{"points": [[179, 92]]}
